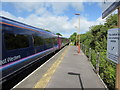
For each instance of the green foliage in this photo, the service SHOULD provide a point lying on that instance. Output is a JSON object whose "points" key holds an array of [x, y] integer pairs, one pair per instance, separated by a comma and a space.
{"points": [[112, 21], [59, 34], [96, 39], [48, 30], [73, 38]]}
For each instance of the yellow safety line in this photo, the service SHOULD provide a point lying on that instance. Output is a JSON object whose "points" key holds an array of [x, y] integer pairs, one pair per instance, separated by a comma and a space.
{"points": [[47, 76]]}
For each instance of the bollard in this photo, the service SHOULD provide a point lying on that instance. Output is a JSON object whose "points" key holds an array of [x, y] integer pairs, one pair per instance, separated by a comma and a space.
{"points": [[97, 63], [89, 54]]}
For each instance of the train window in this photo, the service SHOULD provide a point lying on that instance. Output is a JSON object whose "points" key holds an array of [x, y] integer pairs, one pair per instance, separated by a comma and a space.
{"points": [[55, 41], [38, 40], [15, 41], [48, 40]]}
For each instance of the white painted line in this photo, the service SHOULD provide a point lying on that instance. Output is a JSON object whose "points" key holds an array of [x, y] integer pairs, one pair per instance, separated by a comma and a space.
{"points": [[37, 69]]}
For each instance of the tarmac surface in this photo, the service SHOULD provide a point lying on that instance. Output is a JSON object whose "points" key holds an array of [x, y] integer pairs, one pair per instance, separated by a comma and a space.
{"points": [[67, 69]]}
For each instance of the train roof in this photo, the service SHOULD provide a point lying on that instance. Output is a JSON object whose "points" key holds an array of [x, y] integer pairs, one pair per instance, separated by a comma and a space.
{"points": [[10, 21]]}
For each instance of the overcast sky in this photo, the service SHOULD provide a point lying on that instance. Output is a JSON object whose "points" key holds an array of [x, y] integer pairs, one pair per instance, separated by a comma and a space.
{"points": [[58, 17]]}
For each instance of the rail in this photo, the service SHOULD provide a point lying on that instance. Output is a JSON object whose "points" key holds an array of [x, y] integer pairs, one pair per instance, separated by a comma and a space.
{"points": [[105, 68]]}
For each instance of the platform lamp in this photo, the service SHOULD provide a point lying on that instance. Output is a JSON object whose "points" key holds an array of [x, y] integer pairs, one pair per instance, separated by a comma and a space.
{"points": [[78, 14]]}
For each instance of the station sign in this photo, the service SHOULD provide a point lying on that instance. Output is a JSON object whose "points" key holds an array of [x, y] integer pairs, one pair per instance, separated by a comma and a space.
{"points": [[113, 45], [108, 6]]}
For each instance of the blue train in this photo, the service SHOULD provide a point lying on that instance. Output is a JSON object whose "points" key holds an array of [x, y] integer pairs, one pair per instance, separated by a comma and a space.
{"points": [[22, 45]]}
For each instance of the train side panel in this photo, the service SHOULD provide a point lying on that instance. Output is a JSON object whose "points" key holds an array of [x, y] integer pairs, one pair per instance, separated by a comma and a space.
{"points": [[0, 49], [62, 41], [0, 42], [21, 47]]}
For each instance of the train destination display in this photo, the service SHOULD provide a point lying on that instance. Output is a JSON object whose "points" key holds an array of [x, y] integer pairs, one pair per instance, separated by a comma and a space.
{"points": [[113, 45]]}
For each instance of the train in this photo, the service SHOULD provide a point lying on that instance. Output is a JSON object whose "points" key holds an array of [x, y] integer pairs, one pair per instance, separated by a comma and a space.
{"points": [[22, 45]]}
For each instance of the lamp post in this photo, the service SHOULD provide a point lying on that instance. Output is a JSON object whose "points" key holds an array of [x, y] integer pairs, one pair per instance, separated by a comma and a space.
{"points": [[78, 31]]}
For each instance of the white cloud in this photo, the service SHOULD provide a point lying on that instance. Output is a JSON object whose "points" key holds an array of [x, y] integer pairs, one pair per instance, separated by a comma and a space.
{"points": [[78, 6], [42, 17], [27, 6], [85, 24], [7, 14], [41, 7], [56, 24], [100, 20], [41, 11], [59, 7]]}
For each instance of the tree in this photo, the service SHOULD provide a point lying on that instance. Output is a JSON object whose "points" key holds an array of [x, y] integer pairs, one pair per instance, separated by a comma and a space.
{"points": [[112, 21], [59, 34], [73, 38], [48, 30], [96, 39]]}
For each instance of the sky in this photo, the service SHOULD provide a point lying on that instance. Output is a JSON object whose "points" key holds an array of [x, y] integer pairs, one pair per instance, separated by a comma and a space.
{"points": [[58, 17]]}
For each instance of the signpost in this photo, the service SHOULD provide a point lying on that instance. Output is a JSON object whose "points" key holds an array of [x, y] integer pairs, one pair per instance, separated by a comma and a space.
{"points": [[108, 6], [113, 46], [118, 65]]}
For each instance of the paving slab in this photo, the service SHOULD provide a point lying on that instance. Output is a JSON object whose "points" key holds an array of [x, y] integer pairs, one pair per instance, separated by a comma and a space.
{"points": [[67, 69], [75, 71]]}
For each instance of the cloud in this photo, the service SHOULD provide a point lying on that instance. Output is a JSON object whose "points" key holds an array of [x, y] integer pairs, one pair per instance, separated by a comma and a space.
{"points": [[56, 24], [78, 6], [46, 15], [86, 24], [100, 20], [27, 6], [54, 7], [59, 8], [7, 14]]}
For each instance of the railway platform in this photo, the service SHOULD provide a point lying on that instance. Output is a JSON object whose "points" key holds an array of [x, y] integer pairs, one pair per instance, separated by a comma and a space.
{"points": [[67, 69]]}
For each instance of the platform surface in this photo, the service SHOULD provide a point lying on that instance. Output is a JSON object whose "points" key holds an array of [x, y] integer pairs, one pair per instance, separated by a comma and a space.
{"points": [[67, 69], [75, 71]]}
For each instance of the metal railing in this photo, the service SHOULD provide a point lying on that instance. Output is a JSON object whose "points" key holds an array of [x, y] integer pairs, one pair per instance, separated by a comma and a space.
{"points": [[102, 66]]}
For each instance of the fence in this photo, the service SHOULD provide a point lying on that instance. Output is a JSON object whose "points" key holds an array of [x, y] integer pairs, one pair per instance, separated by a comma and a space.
{"points": [[102, 66]]}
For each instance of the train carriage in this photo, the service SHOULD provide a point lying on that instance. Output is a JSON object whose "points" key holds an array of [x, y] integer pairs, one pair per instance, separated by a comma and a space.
{"points": [[23, 45]]}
